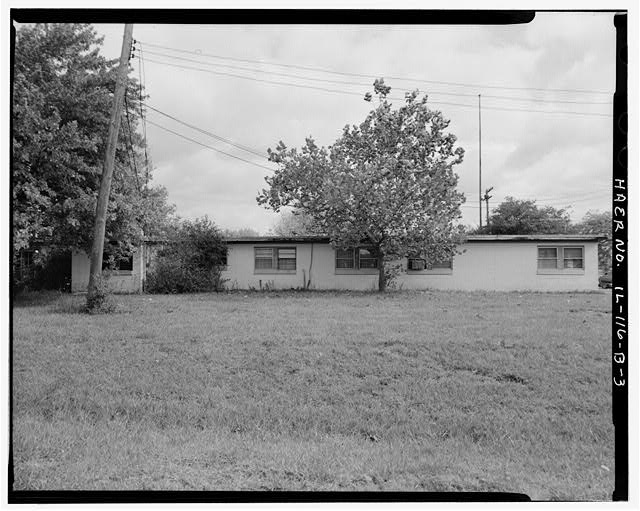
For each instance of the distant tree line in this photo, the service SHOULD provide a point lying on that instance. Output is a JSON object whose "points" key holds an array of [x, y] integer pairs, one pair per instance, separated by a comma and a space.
{"points": [[515, 216]]}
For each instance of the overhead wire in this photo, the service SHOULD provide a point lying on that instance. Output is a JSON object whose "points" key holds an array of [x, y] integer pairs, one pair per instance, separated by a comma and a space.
{"points": [[142, 78], [208, 133], [372, 75], [337, 91], [209, 147], [130, 146], [360, 84]]}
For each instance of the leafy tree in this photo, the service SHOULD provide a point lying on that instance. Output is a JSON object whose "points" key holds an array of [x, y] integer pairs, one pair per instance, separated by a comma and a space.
{"points": [[191, 260], [295, 223], [62, 96], [515, 216], [598, 222], [247, 232], [388, 184]]}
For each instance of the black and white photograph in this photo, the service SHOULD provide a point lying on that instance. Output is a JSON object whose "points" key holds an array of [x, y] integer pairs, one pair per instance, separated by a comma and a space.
{"points": [[318, 255]]}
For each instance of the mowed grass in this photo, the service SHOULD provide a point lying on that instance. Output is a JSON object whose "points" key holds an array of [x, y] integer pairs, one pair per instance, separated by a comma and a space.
{"points": [[425, 391]]}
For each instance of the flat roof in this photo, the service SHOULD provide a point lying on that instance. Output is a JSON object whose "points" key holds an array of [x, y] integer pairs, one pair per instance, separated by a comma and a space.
{"points": [[472, 238]]}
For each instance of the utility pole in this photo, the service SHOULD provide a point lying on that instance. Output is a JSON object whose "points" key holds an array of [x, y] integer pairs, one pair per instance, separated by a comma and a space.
{"points": [[107, 172], [480, 161], [486, 198]]}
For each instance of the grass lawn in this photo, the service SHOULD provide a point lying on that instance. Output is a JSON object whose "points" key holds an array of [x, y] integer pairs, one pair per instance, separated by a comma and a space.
{"points": [[433, 391]]}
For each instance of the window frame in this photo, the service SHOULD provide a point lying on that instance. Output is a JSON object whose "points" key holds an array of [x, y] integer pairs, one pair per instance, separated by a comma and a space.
{"points": [[117, 270], [356, 268], [436, 268], [560, 259], [275, 260]]}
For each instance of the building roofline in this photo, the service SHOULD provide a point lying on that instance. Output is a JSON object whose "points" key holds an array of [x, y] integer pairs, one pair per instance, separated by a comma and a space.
{"points": [[472, 238], [535, 237]]}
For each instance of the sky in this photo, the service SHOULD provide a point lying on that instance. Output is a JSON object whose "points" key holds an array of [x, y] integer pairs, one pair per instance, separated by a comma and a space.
{"points": [[546, 92]]}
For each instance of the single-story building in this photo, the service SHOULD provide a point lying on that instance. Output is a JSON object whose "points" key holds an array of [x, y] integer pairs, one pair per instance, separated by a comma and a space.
{"points": [[549, 262], [127, 276], [545, 262]]}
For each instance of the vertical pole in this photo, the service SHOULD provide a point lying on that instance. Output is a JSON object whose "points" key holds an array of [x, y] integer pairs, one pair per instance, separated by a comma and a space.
{"points": [[107, 172], [486, 198], [479, 161]]}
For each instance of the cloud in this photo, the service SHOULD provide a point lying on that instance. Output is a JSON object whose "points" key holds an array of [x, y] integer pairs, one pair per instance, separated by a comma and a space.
{"points": [[532, 154]]}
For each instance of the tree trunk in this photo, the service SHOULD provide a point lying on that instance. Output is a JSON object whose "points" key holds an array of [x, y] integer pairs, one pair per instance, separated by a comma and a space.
{"points": [[382, 283]]}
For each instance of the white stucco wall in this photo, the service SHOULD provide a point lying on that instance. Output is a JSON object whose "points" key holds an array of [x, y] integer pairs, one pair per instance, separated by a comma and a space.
{"points": [[497, 266], [119, 281]]}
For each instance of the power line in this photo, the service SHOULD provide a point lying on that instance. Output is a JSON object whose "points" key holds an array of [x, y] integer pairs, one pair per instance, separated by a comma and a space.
{"points": [[208, 133], [373, 75], [142, 77], [556, 197], [208, 146], [337, 91], [360, 84], [131, 158]]}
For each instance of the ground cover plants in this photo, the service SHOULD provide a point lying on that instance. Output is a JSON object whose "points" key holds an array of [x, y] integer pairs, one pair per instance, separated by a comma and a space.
{"points": [[424, 391]]}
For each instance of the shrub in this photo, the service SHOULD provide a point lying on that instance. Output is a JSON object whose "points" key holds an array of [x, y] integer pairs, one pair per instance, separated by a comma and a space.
{"points": [[191, 262], [100, 301]]}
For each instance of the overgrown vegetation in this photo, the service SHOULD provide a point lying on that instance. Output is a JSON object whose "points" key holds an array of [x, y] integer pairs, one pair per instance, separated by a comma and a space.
{"points": [[62, 99], [101, 301], [190, 261], [317, 391], [388, 184]]}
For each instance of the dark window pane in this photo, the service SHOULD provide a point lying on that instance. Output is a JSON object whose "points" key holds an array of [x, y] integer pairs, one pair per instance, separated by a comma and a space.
{"points": [[264, 264], [286, 264], [547, 263], [366, 259], [547, 253], [344, 258], [442, 264], [573, 253], [264, 258], [573, 263], [417, 264], [286, 258]]}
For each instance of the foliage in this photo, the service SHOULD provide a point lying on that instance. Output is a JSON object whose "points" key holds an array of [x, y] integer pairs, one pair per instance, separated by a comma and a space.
{"points": [[243, 232], [388, 183], [515, 216], [598, 222], [391, 274], [191, 260], [295, 223], [61, 105], [100, 301]]}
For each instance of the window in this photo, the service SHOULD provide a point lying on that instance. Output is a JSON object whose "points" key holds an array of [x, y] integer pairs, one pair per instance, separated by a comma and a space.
{"points": [[442, 265], [419, 264], [275, 259], [224, 258], [286, 258], [367, 259], [345, 258], [264, 259], [416, 264], [573, 257], [115, 260], [547, 257], [560, 259], [356, 259], [25, 267]]}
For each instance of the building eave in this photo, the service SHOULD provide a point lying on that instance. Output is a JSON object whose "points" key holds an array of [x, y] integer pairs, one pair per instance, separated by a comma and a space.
{"points": [[475, 238]]}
